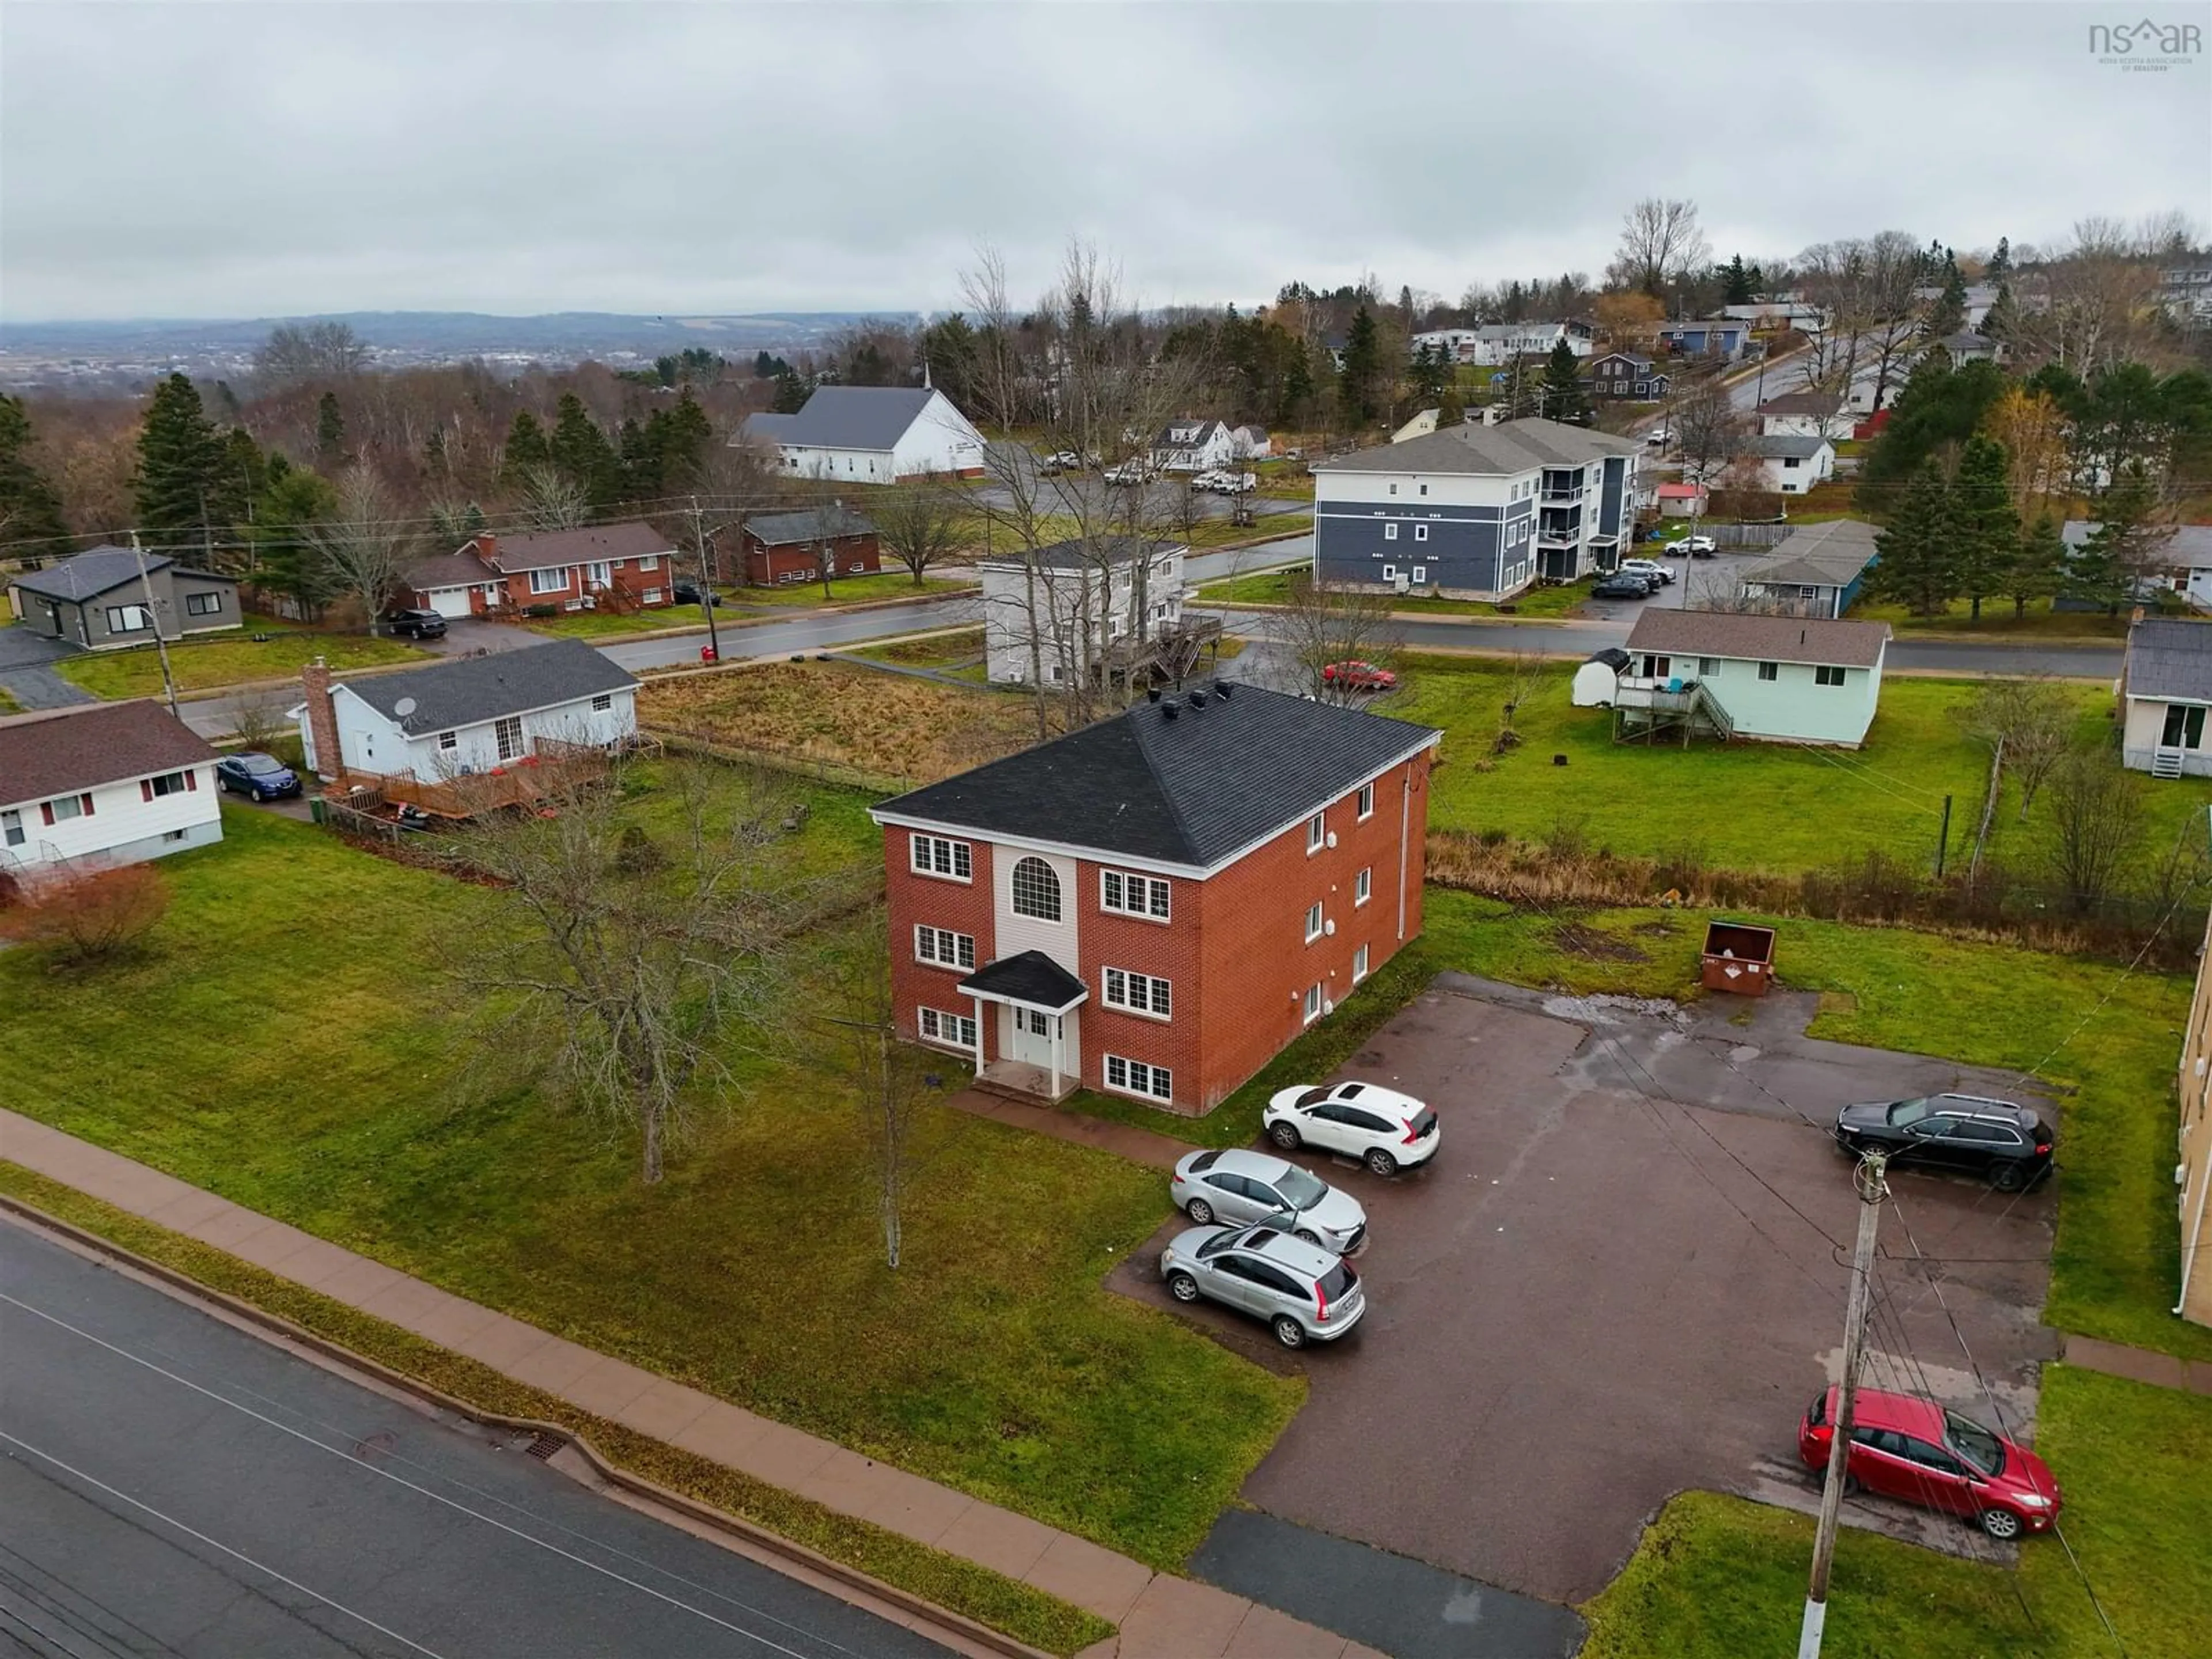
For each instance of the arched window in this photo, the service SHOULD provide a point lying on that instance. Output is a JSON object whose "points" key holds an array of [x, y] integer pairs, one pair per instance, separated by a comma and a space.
{"points": [[1036, 890]]}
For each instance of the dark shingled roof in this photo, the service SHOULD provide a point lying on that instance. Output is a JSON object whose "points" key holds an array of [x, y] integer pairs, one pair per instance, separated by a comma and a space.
{"points": [[1032, 977], [1803, 403], [2169, 656], [461, 569], [59, 751], [1744, 635], [1189, 789], [786, 529], [630, 540], [1076, 553], [99, 570], [1486, 451], [469, 690]]}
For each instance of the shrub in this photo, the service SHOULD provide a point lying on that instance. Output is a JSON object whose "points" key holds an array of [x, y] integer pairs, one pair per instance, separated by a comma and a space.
{"points": [[86, 916]]}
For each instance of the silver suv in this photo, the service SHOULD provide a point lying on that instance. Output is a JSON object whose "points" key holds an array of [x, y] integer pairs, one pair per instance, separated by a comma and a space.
{"points": [[1304, 1293]]}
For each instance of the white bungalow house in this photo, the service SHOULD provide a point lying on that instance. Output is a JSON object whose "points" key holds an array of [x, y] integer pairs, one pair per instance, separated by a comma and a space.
{"points": [[1197, 445], [1806, 415], [1059, 610], [2165, 686], [469, 714], [1790, 466], [871, 434], [102, 783], [1764, 679]]}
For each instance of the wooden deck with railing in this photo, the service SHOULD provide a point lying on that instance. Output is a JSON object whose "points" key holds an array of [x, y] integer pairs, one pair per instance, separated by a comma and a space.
{"points": [[551, 768]]}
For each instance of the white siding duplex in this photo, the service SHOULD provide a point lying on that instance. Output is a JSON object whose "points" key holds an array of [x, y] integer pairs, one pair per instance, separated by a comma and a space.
{"points": [[1059, 612], [106, 783]]}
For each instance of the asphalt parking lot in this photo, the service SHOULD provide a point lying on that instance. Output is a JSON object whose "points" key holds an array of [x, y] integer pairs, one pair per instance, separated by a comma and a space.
{"points": [[1602, 1292]]}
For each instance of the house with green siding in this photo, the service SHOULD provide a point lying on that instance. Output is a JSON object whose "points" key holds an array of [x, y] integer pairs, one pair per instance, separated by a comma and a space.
{"points": [[1742, 676]]}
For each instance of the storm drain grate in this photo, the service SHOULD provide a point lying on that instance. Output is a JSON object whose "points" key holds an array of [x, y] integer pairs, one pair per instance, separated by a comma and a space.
{"points": [[544, 1446]]}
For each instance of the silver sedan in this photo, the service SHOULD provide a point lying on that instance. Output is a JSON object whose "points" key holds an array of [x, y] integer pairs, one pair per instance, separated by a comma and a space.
{"points": [[1241, 1187]]}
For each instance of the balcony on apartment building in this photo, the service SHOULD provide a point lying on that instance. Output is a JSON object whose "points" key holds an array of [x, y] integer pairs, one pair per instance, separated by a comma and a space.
{"points": [[1559, 526]]}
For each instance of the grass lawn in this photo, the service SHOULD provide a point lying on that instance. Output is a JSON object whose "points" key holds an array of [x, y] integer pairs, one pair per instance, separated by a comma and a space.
{"points": [[893, 727], [1276, 587], [1716, 1577], [937, 651], [320, 1074], [843, 590], [2040, 621], [8, 703], [1749, 806], [601, 624], [203, 664], [1223, 533]]}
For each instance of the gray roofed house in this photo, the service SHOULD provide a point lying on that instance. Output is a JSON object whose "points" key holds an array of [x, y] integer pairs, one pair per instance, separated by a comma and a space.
{"points": [[1764, 638], [98, 599], [1508, 448], [1816, 571], [871, 434], [554, 548], [464, 690], [100, 784], [1742, 676], [814, 524], [1063, 609], [2165, 691], [1190, 789], [1790, 462], [1802, 403]]}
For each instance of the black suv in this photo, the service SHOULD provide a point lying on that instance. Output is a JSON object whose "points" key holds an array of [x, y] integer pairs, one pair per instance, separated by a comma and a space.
{"points": [[2008, 1144], [417, 624], [1620, 584], [688, 594]]}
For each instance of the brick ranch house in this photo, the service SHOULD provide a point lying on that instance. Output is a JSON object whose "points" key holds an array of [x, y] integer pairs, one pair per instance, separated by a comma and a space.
{"points": [[1155, 905], [614, 567], [791, 547]]}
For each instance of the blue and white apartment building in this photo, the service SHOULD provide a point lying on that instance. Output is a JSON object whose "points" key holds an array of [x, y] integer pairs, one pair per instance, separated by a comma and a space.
{"points": [[1474, 511]]}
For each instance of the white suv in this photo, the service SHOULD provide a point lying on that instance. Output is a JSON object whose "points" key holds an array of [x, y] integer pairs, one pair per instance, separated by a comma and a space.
{"points": [[1650, 568], [1385, 1130]]}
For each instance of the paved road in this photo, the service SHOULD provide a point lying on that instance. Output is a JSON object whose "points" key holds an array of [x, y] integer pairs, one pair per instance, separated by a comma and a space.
{"points": [[170, 1485]]}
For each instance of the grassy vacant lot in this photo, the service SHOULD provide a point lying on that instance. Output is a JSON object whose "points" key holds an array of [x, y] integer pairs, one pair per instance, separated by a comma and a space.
{"points": [[1751, 806], [891, 726], [941, 650], [892, 583], [1716, 1577], [604, 624], [1275, 587], [202, 664], [1998, 621], [323, 1075]]}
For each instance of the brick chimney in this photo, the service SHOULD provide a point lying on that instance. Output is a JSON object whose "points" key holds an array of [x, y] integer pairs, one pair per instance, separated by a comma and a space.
{"points": [[322, 719], [487, 546]]}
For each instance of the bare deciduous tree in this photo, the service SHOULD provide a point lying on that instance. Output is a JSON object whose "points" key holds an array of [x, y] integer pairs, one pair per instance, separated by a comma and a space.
{"points": [[295, 352], [1705, 430], [2031, 721], [1320, 626], [551, 500], [888, 1078], [636, 962], [2092, 825], [365, 544], [921, 522], [1661, 244]]}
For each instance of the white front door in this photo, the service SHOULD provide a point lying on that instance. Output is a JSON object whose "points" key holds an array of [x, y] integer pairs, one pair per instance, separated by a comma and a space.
{"points": [[1032, 1043]]}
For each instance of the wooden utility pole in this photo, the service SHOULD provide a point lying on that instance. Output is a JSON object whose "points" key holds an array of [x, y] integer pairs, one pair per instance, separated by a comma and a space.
{"points": [[1872, 1190], [706, 578], [153, 618]]}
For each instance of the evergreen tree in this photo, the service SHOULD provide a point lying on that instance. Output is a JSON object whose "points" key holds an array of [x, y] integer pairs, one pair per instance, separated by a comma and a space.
{"points": [[1917, 546], [1451, 407], [1985, 526], [1947, 314], [330, 426], [1297, 393], [2002, 320], [30, 506], [582, 452], [526, 446], [286, 559], [791, 392], [2037, 566], [1564, 397], [2128, 546], [1431, 373], [179, 458], [1737, 285], [1358, 385], [2000, 266], [686, 435]]}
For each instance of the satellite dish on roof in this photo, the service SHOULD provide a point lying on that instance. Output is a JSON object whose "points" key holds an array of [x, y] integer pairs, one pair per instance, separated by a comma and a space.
{"points": [[403, 708]]}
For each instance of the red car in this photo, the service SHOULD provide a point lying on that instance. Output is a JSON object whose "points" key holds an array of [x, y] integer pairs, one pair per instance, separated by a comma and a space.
{"points": [[1913, 1449], [1359, 677]]}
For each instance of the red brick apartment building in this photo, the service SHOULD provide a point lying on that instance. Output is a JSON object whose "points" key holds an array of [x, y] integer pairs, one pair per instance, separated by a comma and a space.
{"points": [[792, 547], [1155, 905], [622, 567]]}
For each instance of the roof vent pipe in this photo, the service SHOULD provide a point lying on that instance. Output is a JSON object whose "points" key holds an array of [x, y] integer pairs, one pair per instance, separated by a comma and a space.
{"points": [[1222, 690], [1151, 694], [1169, 708], [1197, 699]]}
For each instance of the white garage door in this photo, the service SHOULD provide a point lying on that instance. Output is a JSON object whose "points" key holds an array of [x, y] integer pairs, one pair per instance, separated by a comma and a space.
{"points": [[450, 601]]}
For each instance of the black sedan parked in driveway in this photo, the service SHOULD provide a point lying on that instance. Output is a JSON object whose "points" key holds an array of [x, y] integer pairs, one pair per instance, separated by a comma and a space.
{"points": [[416, 624], [2006, 1144], [261, 777], [1621, 585], [688, 594]]}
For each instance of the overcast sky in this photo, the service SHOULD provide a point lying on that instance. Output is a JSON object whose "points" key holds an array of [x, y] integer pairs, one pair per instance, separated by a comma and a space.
{"points": [[239, 161]]}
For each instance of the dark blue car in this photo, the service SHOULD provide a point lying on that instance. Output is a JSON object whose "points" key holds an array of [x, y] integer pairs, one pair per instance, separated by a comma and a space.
{"points": [[258, 775]]}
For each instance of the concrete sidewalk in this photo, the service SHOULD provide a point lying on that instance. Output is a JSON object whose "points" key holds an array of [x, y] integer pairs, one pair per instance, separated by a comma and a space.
{"points": [[1161, 1616]]}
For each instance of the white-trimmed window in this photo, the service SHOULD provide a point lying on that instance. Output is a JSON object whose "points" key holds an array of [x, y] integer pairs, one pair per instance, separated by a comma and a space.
{"points": [[933, 855], [1131, 895], [1313, 921], [65, 806], [1362, 886], [1828, 674], [1134, 1077], [1317, 832], [202, 604], [603, 703], [506, 737], [1359, 964], [1138, 993], [449, 740], [1389, 531], [1389, 573], [942, 948], [1420, 533], [1034, 890], [1313, 1003], [11, 829], [169, 783], [1770, 670], [128, 619], [650, 561], [651, 596], [549, 581], [953, 1030], [1363, 803]]}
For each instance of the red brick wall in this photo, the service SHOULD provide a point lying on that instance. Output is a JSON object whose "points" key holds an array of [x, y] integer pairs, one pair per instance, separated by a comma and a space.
{"points": [[768, 567], [964, 908], [1255, 962], [1106, 939]]}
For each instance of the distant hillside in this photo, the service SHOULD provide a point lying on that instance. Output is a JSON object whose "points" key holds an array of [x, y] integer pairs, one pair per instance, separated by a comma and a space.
{"points": [[565, 336]]}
